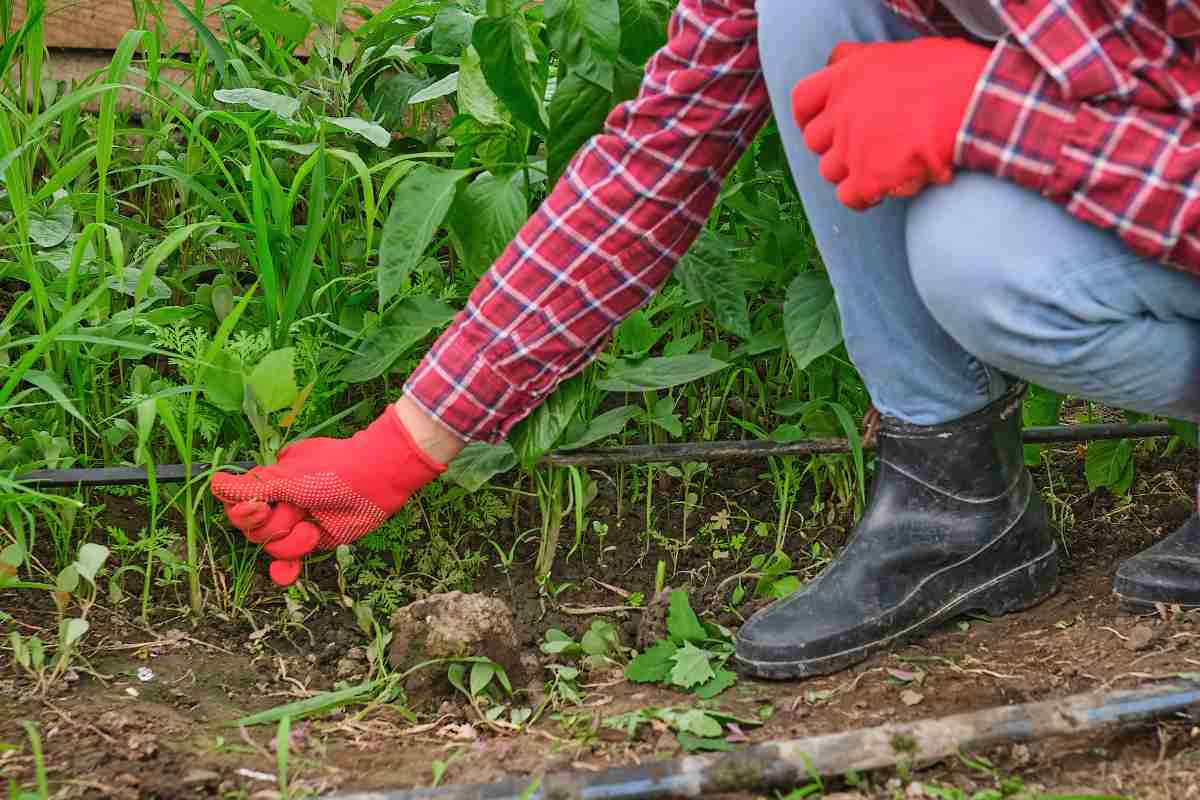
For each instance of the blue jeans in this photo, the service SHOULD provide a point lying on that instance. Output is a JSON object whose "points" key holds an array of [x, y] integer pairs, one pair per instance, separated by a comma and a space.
{"points": [[944, 294]]}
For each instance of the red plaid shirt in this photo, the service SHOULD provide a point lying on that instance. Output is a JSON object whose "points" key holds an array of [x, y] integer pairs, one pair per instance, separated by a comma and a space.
{"points": [[1091, 103]]}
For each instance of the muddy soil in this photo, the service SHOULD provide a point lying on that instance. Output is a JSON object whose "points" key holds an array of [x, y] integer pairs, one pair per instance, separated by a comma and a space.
{"points": [[152, 718]]}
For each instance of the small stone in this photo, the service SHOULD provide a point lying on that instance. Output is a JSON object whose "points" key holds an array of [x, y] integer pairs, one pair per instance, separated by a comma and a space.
{"points": [[348, 667], [1143, 636], [911, 698], [199, 776]]}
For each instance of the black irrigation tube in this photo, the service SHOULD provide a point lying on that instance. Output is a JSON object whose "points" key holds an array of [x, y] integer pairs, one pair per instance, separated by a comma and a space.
{"points": [[787, 764], [613, 456]]}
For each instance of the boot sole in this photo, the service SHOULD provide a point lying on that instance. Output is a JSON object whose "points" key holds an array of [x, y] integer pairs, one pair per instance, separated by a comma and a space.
{"points": [[1016, 590], [1138, 606]]}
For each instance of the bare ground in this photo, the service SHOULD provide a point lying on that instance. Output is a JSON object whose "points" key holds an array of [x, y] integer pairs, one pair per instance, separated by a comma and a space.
{"points": [[112, 734]]}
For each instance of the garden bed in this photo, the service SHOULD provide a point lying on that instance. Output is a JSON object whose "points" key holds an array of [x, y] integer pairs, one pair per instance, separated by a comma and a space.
{"points": [[120, 736]]}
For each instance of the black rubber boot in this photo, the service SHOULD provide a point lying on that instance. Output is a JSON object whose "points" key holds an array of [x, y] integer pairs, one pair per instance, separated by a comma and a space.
{"points": [[1168, 572], [953, 524]]}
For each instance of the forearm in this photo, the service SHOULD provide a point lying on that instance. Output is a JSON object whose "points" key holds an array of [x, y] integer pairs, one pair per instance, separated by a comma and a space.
{"points": [[610, 232]]}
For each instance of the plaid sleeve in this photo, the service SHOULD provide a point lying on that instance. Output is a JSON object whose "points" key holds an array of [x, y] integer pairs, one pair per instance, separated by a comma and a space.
{"points": [[1061, 110], [628, 207]]}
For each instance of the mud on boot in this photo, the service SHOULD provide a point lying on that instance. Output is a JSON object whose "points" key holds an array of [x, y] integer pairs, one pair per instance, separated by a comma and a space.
{"points": [[953, 524], [1168, 572]]}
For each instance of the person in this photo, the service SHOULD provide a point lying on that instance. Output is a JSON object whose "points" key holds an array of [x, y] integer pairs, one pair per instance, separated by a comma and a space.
{"points": [[1001, 191]]}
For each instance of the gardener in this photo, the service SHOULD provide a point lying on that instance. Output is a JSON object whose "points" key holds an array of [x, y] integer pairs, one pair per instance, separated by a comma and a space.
{"points": [[1028, 171]]}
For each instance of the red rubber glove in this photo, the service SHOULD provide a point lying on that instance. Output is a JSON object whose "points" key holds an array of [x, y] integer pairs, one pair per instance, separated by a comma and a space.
{"points": [[885, 116], [325, 492]]}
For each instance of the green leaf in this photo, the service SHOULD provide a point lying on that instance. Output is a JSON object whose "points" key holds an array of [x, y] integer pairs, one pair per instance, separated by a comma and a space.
{"points": [[311, 705], [326, 11], [475, 97], [538, 433], [723, 680], [697, 744], [221, 381], [383, 347], [694, 721], [682, 622], [643, 28], [71, 631], [418, 208], [610, 423], [1109, 465], [270, 18], [478, 463], [660, 373], [273, 381], [52, 230], [281, 105], [13, 556], [1188, 432], [578, 110], [601, 639], [68, 579], [91, 558], [50, 385], [587, 36], [212, 46], [653, 665], [372, 132], [482, 673], [504, 46], [452, 29], [810, 318], [1041, 408], [711, 275], [484, 218], [442, 88]]}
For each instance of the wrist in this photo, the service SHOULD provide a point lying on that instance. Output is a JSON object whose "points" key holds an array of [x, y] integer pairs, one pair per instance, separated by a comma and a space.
{"points": [[429, 435]]}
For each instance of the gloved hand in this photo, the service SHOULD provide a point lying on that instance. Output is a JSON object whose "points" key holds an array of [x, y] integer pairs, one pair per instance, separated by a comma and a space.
{"points": [[885, 116], [325, 492]]}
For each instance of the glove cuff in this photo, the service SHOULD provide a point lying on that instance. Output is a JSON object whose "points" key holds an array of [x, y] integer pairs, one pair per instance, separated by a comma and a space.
{"points": [[422, 467]]}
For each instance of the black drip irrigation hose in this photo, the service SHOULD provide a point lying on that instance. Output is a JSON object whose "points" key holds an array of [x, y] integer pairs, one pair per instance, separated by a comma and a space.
{"points": [[611, 456], [788, 764]]}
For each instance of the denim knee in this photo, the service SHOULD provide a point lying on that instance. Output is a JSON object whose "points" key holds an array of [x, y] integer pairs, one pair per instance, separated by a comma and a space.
{"points": [[804, 34]]}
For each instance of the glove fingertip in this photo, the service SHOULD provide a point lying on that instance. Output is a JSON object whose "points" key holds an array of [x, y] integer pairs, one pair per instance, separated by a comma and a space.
{"points": [[248, 514], [284, 572], [300, 542]]}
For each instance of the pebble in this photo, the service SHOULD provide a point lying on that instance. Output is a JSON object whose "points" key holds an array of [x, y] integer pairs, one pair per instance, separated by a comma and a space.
{"points": [[1143, 636], [200, 776]]}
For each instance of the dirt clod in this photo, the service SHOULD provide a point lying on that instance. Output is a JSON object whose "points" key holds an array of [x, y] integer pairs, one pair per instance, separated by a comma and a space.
{"points": [[1143, 637], [653, 625], [452, 625]]}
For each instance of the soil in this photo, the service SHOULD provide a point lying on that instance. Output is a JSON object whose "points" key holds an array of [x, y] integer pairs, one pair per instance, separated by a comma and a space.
{"points": [[166, 733]]}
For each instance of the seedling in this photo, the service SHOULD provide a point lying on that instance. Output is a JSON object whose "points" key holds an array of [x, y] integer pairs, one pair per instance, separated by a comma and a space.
{"points": [[691, 658]]}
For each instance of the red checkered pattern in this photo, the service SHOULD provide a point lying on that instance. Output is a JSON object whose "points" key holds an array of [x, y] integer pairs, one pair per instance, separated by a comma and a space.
{"points": [[1089, 102]]}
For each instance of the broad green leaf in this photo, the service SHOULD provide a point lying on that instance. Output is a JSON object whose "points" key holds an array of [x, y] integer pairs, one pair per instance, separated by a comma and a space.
{"points": [[637, 335], [53, 229], [503, 45], [273, 380], [601, 639], [372, 132], [810, 318], [693, 666], [481, 675], [13, 556], [281, 105], [535, 435], [380, 350], [272, 19], [653, 665], [452, 29], [478, 463], [587, 36], [723, 680], [682, 623], [91, 558], [693, 720], [67, 579], [643, 28], [1109, 465], [1189, 432], [446, 86], [71, 631], [475, 97], [419, 205], [326, 11], [711, 275], [1041, 408], [221, 379], [661, 373], [610, 423], [577, 113], [484, 219], [389, 98]]}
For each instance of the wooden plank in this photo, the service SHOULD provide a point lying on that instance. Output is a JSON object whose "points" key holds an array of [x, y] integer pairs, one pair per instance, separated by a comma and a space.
{"points": [[100, 24]]}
